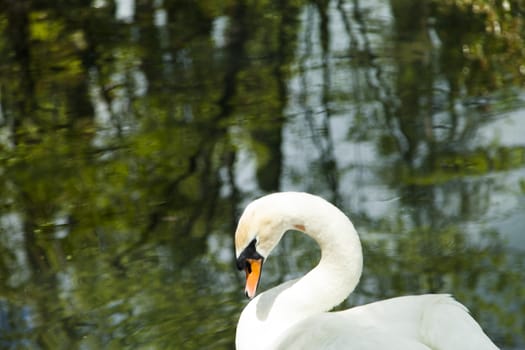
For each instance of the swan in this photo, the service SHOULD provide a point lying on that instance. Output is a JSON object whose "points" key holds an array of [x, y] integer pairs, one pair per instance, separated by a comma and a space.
{"points": [[294, 315]]}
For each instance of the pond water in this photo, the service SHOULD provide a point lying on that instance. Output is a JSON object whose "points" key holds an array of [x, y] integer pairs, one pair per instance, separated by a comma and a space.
{"points": [[133, 133]]}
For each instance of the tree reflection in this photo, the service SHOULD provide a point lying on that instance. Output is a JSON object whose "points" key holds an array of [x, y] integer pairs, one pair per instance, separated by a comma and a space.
{"points": [[121, 157]]}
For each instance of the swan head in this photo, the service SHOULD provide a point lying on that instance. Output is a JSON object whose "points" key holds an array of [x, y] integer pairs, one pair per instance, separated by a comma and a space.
{"points": [[259, 230]]}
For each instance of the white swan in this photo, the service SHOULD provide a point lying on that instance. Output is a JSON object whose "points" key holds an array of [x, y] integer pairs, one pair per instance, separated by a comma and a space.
{"points": [[294, 315]]}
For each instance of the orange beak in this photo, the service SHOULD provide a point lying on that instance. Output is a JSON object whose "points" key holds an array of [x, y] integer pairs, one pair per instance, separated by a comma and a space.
{"points": [[253, 274]]}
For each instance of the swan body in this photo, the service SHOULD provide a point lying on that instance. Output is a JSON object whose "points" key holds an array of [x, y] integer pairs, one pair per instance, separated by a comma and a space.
{"points": [[294, 315]]}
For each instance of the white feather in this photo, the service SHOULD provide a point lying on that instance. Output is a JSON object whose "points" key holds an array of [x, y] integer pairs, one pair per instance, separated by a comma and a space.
{"points": [[294, 314]]}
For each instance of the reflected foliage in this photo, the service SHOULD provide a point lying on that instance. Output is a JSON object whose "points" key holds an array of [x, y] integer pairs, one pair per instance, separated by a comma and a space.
{"points": [[130, 143]]}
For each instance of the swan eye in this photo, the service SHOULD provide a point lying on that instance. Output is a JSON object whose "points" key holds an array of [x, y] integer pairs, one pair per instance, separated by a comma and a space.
{"points": [[243, 264], [249, 252], [251, 262]]}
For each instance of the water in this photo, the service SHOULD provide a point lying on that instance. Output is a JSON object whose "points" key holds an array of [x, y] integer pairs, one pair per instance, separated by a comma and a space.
{"points": [[132, 134]]}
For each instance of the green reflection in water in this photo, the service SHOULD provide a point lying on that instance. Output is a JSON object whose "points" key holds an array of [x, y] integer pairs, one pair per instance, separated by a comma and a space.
{"points": [[129, 146]]}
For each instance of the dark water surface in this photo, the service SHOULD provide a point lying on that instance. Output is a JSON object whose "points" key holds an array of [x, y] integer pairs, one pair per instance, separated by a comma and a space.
{"points": [[133, 133]]}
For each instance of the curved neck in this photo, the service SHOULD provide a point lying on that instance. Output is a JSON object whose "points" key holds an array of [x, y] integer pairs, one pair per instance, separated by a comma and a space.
{"points": [[325, 286], [340, 267]]}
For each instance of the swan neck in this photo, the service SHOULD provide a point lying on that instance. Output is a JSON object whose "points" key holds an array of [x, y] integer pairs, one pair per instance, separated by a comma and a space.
{"points": [[340, 267]]}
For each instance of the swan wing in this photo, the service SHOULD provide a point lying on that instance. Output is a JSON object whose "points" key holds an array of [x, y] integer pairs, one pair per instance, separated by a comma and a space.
{"points": [[332, 331], [436, 322], [447, 325]]}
